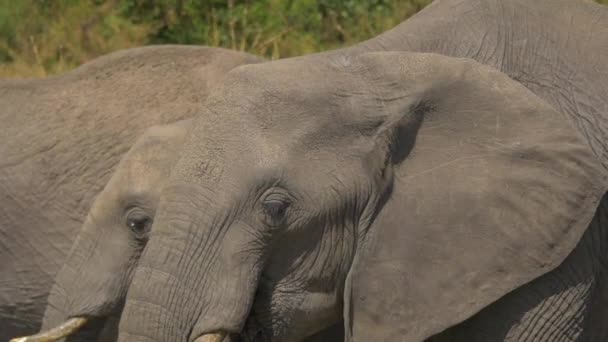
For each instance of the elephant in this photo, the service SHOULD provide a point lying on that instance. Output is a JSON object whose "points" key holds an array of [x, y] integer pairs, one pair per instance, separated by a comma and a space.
{"points": [[62, 137], [399, 192], [507, 35], [99, 266]]}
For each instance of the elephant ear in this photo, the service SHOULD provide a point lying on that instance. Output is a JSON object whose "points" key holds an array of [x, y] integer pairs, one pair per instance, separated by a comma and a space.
{"points": [[496, 189]]}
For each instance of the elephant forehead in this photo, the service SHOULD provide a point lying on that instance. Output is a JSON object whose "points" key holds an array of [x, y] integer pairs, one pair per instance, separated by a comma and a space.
{"points": [[136, 176], [310, 150], [291, 75], [144, 168], [272, 118], [288, 93]]}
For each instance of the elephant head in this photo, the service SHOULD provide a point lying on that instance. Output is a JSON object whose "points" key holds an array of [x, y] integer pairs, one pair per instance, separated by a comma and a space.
{"points": [[400, 192], [91, 287], [94, 280]]}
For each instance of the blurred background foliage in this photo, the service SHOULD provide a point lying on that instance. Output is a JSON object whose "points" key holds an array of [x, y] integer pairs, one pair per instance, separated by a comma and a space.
{"points": [[44, 37]]}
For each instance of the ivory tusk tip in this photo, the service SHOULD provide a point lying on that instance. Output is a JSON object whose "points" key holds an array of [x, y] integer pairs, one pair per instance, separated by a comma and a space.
{"points": [[67, 328], [217, 337]]}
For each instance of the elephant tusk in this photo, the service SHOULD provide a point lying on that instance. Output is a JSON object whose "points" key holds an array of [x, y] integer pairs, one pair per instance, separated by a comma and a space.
{"points": [[217, 337], [67, 328]]}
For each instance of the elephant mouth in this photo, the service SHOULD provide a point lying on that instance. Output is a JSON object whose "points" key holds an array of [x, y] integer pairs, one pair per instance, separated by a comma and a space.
{"points": [[252, 331], [225, 336]]}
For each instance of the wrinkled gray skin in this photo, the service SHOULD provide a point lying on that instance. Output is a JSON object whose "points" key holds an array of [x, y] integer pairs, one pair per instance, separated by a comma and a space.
{"points": [[97, 273], [332, 211], [556, 48], [95, 277], [61, 139], [403, 193]]}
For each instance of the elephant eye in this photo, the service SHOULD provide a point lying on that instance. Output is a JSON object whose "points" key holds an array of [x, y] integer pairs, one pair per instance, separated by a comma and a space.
{"points": [[139, 223], [275, 209]]}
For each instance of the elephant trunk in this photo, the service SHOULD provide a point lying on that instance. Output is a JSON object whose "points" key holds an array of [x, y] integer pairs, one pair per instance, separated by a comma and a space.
{"points": [[89, 288], [198, 275], [57, 325]]}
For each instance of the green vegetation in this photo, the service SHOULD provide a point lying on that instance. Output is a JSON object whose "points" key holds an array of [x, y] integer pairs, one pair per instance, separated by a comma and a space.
{"points": [[44, 37]]}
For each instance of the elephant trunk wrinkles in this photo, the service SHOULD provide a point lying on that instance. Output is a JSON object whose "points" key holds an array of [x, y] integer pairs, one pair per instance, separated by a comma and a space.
{"points": [[192, 282], [86, 287]]}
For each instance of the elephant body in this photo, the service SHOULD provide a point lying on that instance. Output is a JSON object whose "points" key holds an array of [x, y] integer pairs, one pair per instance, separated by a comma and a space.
{"points": [[556, 48], [61, 139]]}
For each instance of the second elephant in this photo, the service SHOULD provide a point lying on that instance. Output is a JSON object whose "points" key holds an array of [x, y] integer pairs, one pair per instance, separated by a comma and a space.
{"points": [[96, 275], [62, 137]]}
